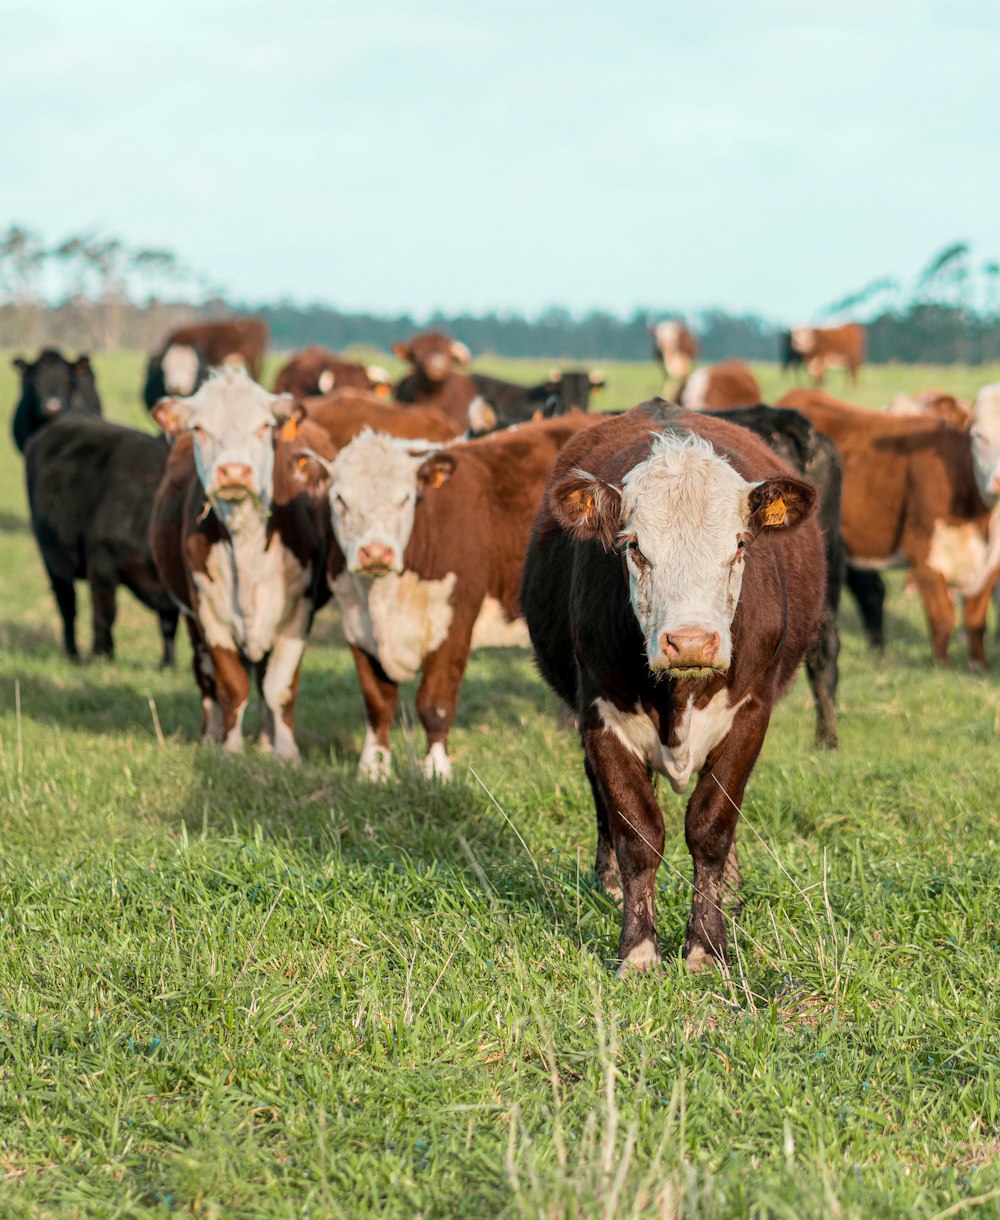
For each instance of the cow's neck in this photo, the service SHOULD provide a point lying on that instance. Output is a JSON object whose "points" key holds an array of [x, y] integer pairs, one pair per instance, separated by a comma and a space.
{"points": [[245, 523]]}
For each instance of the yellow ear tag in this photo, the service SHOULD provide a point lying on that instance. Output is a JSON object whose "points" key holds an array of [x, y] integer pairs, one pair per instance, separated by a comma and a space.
{"points": [[290, 430], [589, 505], [437, 478], [776, 512]]}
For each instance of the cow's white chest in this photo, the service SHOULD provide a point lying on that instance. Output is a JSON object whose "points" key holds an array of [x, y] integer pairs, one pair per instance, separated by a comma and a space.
{"points": [[959, 553], [249, 592], [698, 730]]}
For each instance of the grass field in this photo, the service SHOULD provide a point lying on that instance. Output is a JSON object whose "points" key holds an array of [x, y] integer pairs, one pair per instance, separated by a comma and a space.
{"points": [[233, 988]]}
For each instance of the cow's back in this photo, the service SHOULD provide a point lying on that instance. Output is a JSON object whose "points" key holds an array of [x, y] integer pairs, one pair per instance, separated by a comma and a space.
{"points": [[345, 414]]}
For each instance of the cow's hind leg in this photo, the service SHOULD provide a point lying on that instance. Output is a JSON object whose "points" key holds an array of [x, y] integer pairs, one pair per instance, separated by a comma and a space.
{"points": [[380, 695], [65, 595], [606, 868], [974, 610], [103, 588], [437, 697], [868, 590], [933, 589], [168, 635], [821, 668]]}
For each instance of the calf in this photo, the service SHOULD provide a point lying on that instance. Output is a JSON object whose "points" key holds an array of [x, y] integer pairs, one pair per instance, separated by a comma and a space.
{"points": [[720, 387], [50, 386], [316, 370], [673, 583], [431, 544], [831, 347], [240, 542], [345, 414], [183, 362], [500, 404], [91, 486], [437, 379], [910, 498]]}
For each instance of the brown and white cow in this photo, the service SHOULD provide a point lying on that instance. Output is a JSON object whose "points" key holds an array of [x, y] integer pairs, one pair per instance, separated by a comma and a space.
{"points": [[675, 347], [240, 542], [673, 583], [316, 370], [431, 544], [934, 404], [438, 379], [345, 414], [832, 347], [910, 499], [183, 362], [720, 387]]}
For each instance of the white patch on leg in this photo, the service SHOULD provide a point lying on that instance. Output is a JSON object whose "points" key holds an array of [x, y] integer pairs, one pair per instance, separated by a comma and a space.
{"points": [[211, 722], [437, 764], [234, 738], [640, 960], [376, 760], [282, 666], [698, 960]]}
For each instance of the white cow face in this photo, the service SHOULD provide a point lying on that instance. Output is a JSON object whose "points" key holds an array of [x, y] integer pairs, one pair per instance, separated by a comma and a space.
{"points": [[180, 365], [681, 521], [233, 421], [375, 483], [985, 436]]}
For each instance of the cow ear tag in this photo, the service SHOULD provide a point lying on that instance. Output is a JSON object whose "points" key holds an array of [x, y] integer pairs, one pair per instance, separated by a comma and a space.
{"points": [[290, 430], [437, 478], [776, 512]]}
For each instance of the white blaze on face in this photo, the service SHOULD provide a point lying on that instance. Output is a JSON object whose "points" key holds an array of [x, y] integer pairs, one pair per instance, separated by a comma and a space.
{"points": [[373, 496], [985, 437], [695, 395], [803, 339], [180, 368], [327, 380], [686, 509]]}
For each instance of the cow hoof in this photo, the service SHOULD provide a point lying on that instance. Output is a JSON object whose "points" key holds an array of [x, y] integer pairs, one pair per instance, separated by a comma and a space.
{"points": [[640, 960], [978, 667], [437, 764], [698, 959], [375, 766]]}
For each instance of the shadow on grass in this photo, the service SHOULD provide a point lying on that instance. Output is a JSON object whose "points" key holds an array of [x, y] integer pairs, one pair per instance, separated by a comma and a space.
{"points": [[11, 523]]}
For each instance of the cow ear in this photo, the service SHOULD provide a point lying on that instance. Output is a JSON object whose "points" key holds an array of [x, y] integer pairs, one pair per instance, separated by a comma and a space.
{"points": [[460, 353], [401, 350], [20, 364], [780, 504], [312, 470], [587, 507], [437, 469], [82, 362], [172, 414], [597, 381], [287, 409]]}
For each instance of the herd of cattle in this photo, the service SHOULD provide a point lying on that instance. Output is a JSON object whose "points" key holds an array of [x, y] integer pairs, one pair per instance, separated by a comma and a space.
{"points": [[670, 565]]}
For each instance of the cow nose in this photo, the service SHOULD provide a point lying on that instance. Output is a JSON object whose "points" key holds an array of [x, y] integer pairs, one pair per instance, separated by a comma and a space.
{"points": [[375, 557], [690, 646], [234, 474], [436, 367]]}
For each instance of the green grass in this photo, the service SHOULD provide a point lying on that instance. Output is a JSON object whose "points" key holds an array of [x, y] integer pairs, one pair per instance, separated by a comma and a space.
{"points": [[230, 987]]}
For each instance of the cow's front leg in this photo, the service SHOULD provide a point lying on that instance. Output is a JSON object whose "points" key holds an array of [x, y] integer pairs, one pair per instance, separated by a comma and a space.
{"points": [[974, 611], [232, 688], [937, 606], [437, 696], [710, 828], [636, 828], [380, 695], [278, 677]]}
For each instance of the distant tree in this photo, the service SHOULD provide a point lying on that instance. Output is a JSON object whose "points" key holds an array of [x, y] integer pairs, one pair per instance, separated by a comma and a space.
{"points": [[22, 260]]}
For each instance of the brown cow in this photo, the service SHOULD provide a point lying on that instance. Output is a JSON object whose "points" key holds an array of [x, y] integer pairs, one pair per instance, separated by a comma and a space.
{"points": [[437, 379], [431, 543], [240, 542], [840, 347], [673, 583], [183, 362], [910, 498], [720, 387], [345, 414], [316, 370], [934, 404]]}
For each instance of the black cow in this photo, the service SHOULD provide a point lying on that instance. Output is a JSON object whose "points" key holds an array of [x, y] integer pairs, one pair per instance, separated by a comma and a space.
{"points": [[49, 387], [788, 354], [504, 403], [90, 487]]}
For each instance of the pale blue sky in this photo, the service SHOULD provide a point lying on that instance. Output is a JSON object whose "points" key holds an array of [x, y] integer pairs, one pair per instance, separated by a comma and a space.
{"points": [[768, 155]]}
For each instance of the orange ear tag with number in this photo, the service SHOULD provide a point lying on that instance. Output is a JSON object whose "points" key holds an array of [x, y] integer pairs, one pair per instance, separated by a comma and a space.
{"points": [[776, 512]]}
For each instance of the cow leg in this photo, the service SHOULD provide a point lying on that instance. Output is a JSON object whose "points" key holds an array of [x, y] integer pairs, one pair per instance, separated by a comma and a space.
{"points": [[974, 611], [868, 590], [204, 674], [622, 778], [933, 589], [168, 634], [380, 695], [278, 678], [437, 697], [606, 868], [103, 587], [232, 689], [821, 668], [65, 595], [710, 827]]}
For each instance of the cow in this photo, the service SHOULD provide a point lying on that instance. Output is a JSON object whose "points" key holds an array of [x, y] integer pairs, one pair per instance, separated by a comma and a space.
{"points": [[344, 414], [675, 347], [672, 585], [719, 387], [934, 404], [789, 357], [183, 362], [239, 535], [500, 403], [50, 386], [910, 498], [832, 347], [437, 379], [316, 370], [430, 543], [90, 488]]}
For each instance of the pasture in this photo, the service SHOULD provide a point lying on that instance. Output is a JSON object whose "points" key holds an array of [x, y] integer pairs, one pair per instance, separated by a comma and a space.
{"points": [[232, 987]]}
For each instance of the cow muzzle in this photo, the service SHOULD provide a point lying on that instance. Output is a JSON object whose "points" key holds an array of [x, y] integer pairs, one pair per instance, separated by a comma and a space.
{"points": [[435, 368], [690, 652], [52, 406], [234, 481], [375, 559]]}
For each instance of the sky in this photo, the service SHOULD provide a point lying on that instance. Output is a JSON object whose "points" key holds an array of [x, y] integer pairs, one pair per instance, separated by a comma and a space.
{"points": [[764, 155]]}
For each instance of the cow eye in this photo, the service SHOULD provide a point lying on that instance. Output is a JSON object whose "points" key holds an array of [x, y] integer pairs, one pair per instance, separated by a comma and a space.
{"points": [[263, 430]]}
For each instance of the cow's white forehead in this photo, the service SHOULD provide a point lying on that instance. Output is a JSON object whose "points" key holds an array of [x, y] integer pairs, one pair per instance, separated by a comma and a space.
{"points": [[376, 469], [231, 399], [683, 483]]}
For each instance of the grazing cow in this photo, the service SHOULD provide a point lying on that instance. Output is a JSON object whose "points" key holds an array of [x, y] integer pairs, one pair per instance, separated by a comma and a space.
{"points": [[437, 379], [675, 347], [183, 362], [431, 543], [316, 370], [90, 487], [673, 583], [841, 347], [502, 403], [50, 386], [240, 540], [910, 498], [719, 387], [344, 414], [934, 404]]}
